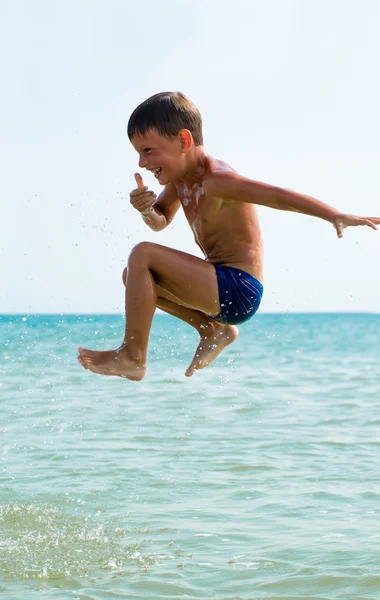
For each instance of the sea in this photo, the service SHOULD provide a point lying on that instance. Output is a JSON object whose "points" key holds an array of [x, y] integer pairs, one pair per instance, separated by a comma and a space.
{"points": [[257, 478]]}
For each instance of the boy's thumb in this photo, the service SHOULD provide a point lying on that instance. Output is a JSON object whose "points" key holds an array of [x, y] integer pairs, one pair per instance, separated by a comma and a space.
{"points": [[139, 180]]}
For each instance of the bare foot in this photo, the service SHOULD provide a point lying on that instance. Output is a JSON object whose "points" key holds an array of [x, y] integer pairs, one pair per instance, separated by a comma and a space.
{"points": [[214, 339], [112, 362]]}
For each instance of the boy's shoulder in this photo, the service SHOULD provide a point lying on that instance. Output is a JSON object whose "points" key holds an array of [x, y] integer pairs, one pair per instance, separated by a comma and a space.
{"points": [[216, 167], [218, 176]]}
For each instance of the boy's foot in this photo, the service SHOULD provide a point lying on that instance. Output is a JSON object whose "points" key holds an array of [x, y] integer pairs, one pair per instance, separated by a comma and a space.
{"points": [[215, 338], [111, 362]]}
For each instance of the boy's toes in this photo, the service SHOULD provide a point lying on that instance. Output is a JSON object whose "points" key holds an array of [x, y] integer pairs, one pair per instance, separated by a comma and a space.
{"points": [[82, 361], [85, 354], [190, 371], [85, 357]]}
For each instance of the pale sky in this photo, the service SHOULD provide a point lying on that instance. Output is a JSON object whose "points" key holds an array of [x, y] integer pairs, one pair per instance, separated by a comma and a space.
{"points": [[290, 95]]}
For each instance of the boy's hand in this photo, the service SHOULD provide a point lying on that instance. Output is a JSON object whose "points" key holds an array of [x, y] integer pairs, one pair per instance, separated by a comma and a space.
{"points": [[342, 221], [140, 198]]}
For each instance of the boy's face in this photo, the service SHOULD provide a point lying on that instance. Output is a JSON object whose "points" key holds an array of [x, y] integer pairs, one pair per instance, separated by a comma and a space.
{"points": [[164, 157]]}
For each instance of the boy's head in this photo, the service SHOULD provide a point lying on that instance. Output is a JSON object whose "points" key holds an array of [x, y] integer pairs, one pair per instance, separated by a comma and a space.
{"points": [[165, 130], [167, 113]]}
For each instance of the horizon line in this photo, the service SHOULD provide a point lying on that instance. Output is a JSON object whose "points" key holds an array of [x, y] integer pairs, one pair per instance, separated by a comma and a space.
{"points": [[114, 314]]}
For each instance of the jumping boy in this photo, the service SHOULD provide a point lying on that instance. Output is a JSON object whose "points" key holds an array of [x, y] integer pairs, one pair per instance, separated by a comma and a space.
{"points": [[221, 291]]}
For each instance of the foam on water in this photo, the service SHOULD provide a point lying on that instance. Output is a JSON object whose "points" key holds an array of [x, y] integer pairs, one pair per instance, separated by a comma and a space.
{"points": [[41, 542]]}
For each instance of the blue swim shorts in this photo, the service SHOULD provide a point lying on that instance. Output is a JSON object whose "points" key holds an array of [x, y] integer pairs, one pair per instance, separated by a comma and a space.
{"points": [[239, 295]]}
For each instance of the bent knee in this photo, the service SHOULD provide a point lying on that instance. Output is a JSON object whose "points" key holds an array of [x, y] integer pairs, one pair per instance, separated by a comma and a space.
{"points": [[140, 252]]}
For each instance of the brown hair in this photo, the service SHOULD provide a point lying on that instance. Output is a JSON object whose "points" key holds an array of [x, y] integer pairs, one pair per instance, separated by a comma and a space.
{"points": [[167, 113]]}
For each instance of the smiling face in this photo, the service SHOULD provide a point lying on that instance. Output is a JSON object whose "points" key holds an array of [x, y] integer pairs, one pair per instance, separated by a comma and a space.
{"points": [[164, 157]]}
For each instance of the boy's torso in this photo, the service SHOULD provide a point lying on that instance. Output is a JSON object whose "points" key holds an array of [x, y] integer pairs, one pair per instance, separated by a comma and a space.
{"points": [[227, 231]]}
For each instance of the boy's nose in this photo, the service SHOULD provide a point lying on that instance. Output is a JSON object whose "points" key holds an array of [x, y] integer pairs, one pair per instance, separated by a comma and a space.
{"points": [[142, 162]]}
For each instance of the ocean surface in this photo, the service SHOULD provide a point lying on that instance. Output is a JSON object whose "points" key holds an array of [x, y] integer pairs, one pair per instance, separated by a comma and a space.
{"points": [[257, 478]]}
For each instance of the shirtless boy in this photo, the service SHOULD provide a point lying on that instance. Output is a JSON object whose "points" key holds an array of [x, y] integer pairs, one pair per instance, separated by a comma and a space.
{"points": [[221, 291]]}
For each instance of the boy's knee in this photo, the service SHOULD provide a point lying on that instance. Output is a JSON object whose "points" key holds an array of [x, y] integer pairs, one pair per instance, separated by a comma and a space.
{"points": [[140, 251]]}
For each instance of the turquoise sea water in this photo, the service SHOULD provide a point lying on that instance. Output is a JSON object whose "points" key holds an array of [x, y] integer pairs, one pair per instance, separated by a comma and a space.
{"points": [[258, 478]]}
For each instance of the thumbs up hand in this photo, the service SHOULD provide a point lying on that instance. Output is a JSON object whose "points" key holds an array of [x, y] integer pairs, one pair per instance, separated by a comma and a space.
{"points": [[140, 198], [139, 180]]}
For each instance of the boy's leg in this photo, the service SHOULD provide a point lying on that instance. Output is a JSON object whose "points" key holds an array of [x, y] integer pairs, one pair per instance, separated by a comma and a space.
{"points": [[214, 336], [190, 280]]}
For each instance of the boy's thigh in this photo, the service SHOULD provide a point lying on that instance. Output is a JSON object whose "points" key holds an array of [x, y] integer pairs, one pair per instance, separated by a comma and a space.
{"points": [[166, 295], [183, 278]]}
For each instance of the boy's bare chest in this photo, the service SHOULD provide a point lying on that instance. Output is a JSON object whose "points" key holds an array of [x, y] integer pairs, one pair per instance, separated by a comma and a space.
{"points": [[197, 208]]}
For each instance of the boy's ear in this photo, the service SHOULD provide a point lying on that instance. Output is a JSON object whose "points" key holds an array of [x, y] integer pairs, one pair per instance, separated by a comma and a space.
{"points": [[185, 140]]}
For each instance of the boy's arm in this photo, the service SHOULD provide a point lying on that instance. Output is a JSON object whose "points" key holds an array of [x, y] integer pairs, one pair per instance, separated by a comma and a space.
{"points": [[233, 186], [156, 212], [163, 210]]}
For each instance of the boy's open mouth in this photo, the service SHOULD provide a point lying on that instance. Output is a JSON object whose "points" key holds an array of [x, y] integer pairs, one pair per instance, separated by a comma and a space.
{"points": [[157, 172]]}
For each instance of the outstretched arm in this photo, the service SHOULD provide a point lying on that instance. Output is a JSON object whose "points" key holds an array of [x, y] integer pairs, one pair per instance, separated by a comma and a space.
{"points": [[232, 186]]}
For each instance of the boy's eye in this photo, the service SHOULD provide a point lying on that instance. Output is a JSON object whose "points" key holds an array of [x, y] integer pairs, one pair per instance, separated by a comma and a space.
{"points": [[147, 150]]}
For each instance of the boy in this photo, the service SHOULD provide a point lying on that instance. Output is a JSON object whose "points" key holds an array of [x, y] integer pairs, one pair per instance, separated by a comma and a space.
{"points": [[225, 289]]}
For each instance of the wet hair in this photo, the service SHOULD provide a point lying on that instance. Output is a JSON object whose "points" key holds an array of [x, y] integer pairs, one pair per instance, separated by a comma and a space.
{"points": [[167, 113]]}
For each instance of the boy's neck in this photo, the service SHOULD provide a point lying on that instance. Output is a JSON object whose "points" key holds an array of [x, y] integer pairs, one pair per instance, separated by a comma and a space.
{"points": [[195, 166]]}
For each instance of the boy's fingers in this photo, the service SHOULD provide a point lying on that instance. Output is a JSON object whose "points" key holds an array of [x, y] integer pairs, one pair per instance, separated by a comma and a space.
{"points": [[139, 180], [143, 201], [144, 204], [138, 191], [339, 229], [371, 223], [138, 198]]}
